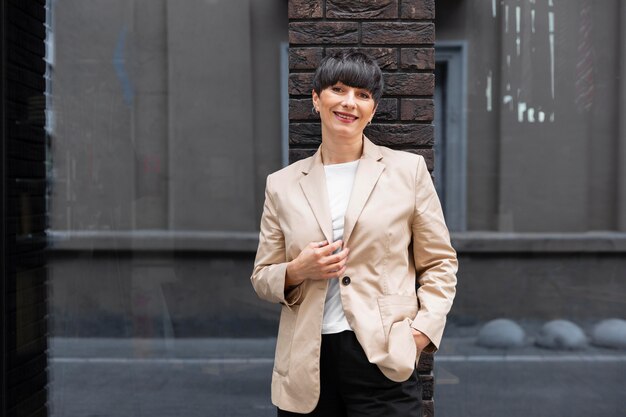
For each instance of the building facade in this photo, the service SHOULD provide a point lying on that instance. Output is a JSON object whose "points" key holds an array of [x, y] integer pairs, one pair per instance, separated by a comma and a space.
{"points": [[166, 120], [162, 119]]}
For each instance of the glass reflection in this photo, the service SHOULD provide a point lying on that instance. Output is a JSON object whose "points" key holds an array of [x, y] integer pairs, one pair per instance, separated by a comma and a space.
{"points": [[164, 119]]}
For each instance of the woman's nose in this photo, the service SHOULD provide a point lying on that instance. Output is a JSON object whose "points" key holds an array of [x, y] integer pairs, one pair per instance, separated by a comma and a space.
{"points": [[348, 100]]}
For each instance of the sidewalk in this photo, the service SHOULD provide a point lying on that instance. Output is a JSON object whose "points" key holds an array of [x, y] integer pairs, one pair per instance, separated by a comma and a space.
{"points": [[231, 377]]}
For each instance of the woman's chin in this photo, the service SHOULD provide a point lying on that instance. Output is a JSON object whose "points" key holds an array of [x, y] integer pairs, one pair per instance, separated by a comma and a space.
{"points": [[345, 130]]}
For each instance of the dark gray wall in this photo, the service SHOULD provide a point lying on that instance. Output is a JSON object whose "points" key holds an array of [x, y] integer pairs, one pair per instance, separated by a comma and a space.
{"points": [[150, 236], [541, 286], [158, 295], [166, 121], [167, 114], [525, 175]]}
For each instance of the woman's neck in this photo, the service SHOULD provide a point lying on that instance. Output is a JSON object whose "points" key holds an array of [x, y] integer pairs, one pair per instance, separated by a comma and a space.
{"points": [[342, 150]]}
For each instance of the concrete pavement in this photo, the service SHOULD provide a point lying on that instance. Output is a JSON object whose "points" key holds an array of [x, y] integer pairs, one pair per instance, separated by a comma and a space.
{"points": [[231, 377]]}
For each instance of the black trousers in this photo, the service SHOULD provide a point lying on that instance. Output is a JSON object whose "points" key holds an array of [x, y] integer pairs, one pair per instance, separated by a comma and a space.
{"points": [[353, 387]]}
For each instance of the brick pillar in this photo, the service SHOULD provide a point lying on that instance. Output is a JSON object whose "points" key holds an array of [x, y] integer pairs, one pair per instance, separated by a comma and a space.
{"points": [[400, 34]]}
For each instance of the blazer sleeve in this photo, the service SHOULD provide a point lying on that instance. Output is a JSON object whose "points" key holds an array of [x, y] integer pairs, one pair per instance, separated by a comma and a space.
{"points": [[435, 260], [270, 264]]}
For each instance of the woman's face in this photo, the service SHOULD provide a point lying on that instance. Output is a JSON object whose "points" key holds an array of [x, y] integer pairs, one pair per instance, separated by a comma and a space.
{"points": [[344, 110]]}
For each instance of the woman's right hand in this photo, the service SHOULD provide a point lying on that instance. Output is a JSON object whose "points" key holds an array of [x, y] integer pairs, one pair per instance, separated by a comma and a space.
{"points": [[317, 262]]}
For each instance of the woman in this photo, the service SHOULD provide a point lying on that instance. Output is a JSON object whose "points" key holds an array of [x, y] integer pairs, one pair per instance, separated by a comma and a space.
{"points": [[344, 234]]}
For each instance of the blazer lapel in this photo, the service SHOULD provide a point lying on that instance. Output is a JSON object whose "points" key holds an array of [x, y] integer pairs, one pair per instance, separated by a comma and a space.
{"points": [[367, 176], [313, 185]]}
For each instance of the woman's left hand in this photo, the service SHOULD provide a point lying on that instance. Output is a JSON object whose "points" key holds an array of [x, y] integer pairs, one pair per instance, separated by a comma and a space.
{"points": [[421, 340]]}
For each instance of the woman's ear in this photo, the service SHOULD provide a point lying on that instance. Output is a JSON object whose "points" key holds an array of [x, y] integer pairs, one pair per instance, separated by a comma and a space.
{"points": [[315, 100], [373, 113]]}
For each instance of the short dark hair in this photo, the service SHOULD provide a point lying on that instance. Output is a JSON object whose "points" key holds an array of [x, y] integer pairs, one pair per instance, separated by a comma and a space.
{"points": [[352, 68]]}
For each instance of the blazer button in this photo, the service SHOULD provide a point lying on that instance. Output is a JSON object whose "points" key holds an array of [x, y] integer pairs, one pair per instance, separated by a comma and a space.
{"points": [[345, 280]]}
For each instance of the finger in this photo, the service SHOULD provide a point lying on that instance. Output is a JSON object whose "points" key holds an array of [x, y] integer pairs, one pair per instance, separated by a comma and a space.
{"points": [[331, 260], [335, 274], [327, 250], [316, 245], [337, 261], [336, 246], [331, 269], [330, 275], [320, 248], [344, 253], [339, 256], [341, 271]]}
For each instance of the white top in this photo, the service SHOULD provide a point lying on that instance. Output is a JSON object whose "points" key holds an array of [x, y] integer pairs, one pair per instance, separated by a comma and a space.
{"points": [[339, 182]]}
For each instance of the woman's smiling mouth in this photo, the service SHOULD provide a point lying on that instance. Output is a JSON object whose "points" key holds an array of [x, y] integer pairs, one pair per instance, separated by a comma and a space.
{"points": [[345, 117]]}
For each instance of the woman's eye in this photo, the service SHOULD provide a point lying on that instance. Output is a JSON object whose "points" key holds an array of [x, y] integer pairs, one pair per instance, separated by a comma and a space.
{"points": [[337, 89], [365, 95]]}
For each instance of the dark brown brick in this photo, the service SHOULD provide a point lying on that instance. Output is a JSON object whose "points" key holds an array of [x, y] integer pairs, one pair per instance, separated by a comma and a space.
{"points": [[323, 33], [305, 58], [301, 83], [428, 386], [417, 9], [398, 33], [305, 9], [387, 58], [297, 154], [417, 58], [302, 109], [400, 135], [364, 9], [426, 362], [428, 408], [422, 110], [409, 84], [305, 134], [387, 109]]}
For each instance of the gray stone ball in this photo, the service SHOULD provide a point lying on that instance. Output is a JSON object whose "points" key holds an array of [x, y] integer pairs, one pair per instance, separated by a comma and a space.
{"points": [[501, 333], [610, 333], [561, 334]]}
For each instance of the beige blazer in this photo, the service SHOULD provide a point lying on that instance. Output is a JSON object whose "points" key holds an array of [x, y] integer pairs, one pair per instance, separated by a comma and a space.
{"points": [[396, 232]]}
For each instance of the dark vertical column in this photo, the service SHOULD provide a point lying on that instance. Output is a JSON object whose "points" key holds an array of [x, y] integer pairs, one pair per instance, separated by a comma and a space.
{"points": [[621, 140], [3, 269], [24, 325], [400, 34]]}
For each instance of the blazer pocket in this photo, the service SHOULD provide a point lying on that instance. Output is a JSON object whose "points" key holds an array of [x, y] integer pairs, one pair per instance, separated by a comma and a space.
{"points": [[401, 346], [286, 328], [396, 308], [397, 313]]}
